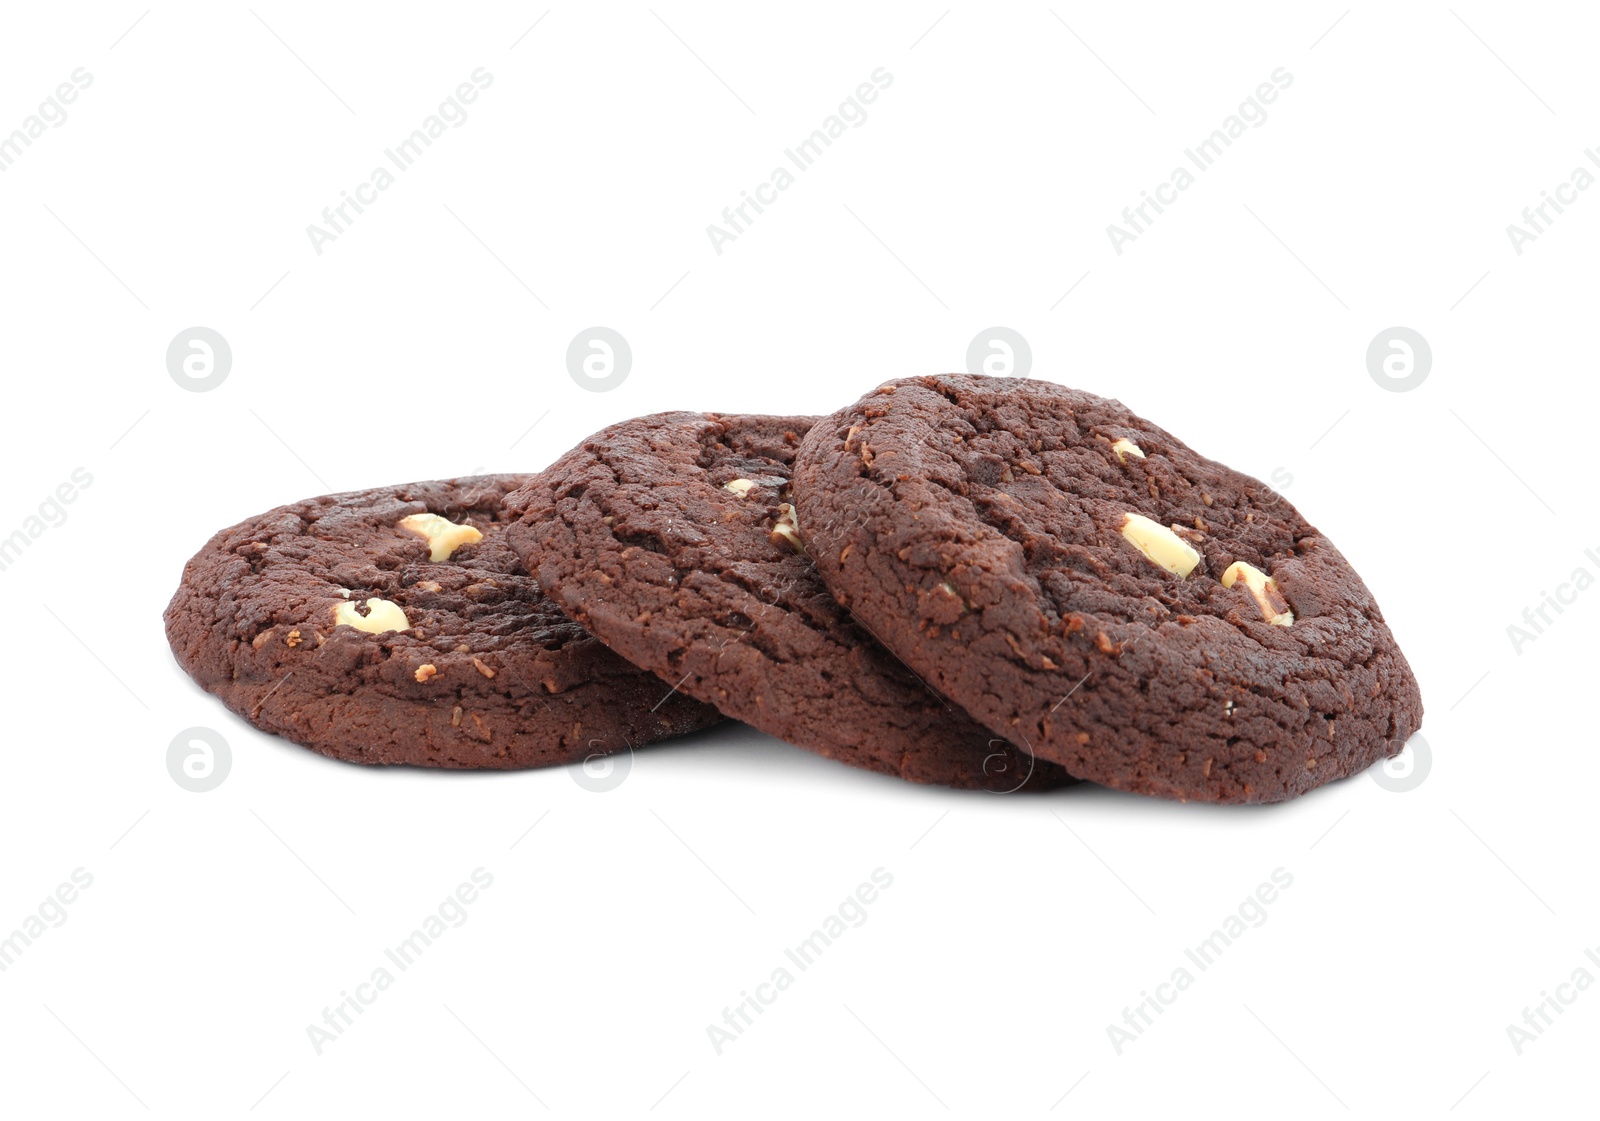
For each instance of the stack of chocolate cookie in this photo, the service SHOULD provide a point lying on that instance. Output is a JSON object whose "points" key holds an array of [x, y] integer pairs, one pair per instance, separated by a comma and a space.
{"points": [[976, 582]]}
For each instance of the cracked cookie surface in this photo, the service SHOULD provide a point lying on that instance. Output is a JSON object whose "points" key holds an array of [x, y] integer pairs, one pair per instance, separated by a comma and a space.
{"points": [[672, 537], [1085, 584], [460, 662]]}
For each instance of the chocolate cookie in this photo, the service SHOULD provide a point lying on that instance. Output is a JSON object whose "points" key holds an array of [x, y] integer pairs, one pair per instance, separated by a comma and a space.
{"points": [[397, 626], [672, 538], [1084, 583]]}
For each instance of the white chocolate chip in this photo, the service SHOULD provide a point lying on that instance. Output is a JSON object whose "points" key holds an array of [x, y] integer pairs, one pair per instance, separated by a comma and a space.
{"points": [[1126, 447], [787, 528], [443, 536], [740, 487], [1263, 589], [1160, 546], [382, 615]]}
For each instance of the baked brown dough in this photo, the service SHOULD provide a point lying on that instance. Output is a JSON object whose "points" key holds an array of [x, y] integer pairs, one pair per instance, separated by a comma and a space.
{"points": [[671, 537], [488, 673], [1066, 572]]}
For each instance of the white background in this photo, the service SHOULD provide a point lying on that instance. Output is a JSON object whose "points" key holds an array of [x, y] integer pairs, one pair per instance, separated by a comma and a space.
{"points": [[429, 337]]}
